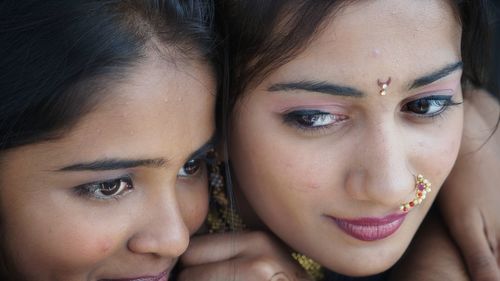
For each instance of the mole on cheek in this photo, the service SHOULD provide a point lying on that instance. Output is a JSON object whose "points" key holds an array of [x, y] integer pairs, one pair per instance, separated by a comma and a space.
{"points": [[105, 246], [314, 186]]}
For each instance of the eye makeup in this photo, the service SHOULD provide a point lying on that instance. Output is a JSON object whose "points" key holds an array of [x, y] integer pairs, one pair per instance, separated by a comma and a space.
{"points": [[196, 167], [429, 104], [306, 119], [314, 120], [106, 189]]}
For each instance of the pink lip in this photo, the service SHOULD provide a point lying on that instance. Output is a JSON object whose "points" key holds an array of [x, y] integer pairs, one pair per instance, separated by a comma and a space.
{"points": [[371, 229], [160, 277]]}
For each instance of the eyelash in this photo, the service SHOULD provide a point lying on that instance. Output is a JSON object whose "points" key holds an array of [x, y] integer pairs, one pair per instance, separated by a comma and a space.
{"points": [[298, 118], [95, 190], [444, 102], [199, 162], [205, 159], [124, 184]]}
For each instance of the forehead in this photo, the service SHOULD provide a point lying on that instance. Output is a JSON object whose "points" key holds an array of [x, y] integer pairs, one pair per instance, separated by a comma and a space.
{"points": [[389, 37], [159, 110]]}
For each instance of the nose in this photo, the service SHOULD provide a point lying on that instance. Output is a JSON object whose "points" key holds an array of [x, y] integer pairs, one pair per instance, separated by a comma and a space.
{"points": [[382, 173], [162, 230]]}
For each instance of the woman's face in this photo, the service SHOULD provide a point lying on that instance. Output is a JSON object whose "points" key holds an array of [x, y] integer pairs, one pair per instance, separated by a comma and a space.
{"points": [[325, 160], [117, 197]]}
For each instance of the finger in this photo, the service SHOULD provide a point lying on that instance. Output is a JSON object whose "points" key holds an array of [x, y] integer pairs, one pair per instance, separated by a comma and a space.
{"points": [[225, 270], [471, 238], [490, 233], [223, 246], [241, 269]]}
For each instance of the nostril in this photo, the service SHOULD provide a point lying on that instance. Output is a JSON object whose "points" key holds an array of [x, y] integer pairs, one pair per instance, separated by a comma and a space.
{"points": [[169, 239]]}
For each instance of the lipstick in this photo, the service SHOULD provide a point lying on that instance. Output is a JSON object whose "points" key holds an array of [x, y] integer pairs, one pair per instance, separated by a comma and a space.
{"points": [[370, 229]]}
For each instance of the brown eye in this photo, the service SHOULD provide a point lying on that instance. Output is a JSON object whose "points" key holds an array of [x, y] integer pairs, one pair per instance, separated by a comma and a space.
{"points": [[428, 106], [114, 187], [107, 189], [312, 118], [190, 168], [420, 106]]}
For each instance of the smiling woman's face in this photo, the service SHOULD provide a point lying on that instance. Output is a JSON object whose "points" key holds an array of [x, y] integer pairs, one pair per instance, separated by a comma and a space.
{"points": [[119, 195], [325, 160]]}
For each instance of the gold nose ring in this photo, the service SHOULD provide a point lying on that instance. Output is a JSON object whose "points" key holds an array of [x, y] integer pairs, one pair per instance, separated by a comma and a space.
{"points": [[422, 187]]}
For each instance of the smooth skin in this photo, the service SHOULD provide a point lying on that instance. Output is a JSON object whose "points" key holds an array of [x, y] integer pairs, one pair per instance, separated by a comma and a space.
{"points": [[469, 200], [302, 156], [119, 195], [359, 156]]}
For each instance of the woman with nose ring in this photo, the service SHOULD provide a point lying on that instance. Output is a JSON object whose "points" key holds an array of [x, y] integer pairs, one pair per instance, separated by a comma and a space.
{"points": [[345, 119]]}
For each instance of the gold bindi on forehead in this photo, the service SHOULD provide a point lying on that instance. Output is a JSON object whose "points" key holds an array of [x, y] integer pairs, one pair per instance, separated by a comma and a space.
{"points": [[383, 86]]}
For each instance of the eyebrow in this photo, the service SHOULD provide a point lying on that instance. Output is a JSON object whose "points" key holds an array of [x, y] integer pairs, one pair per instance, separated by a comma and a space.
{"points": [[436, 75], [318, 87], [120, 164], [337, 90], [115, 164]]}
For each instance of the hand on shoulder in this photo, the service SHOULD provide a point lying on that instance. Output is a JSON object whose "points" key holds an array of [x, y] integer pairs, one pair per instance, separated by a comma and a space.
{"points": [[470, 198], [242, 256]]}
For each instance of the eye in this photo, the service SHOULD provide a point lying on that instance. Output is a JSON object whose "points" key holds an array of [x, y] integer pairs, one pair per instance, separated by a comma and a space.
{"points": [[191, 168], [105, 190], [312, 118], [428, 106]]}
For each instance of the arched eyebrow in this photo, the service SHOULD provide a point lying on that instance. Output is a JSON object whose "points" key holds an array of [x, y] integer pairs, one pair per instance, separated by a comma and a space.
{"points": [[115, 164], [325, 87], [436, 75], [318, 87], [120, 164]]}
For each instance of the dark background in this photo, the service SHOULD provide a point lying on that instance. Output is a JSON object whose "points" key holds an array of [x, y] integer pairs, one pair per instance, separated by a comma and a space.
{"points": [[495, 65]]}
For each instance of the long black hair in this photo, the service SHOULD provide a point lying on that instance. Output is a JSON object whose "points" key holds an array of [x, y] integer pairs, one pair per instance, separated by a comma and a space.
{"points": [[55, 54], [57, 57]]}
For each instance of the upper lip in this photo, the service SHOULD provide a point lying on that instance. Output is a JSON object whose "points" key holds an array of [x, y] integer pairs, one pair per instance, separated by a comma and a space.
{"points": [[373, 221]]}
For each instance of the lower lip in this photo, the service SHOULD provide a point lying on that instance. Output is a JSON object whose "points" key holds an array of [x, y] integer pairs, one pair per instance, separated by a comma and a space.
{"points": [[161, 277], [371, 229]]}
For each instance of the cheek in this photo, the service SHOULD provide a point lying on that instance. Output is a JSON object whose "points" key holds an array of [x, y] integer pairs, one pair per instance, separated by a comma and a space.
{"points": [[46, 231], [193, 203], [443, 160], [69, 244], [438, 152], [276, 160], [280, 175]]}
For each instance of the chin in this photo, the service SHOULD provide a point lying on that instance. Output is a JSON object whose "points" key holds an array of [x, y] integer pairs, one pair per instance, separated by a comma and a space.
{"points": [[360, 265], [362, 270]]}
